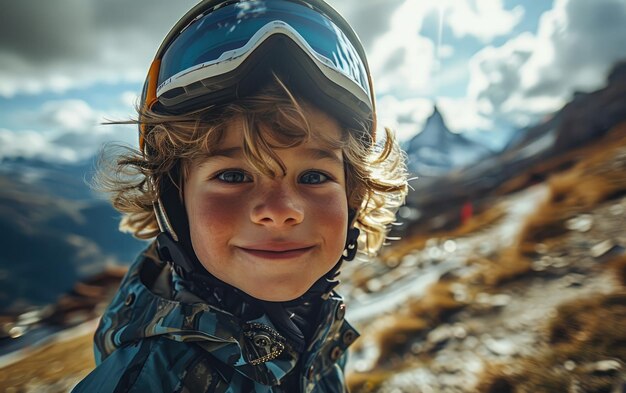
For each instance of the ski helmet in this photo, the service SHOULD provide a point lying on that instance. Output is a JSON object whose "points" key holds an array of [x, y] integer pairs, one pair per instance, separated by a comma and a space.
{"points": [[221, 49]]}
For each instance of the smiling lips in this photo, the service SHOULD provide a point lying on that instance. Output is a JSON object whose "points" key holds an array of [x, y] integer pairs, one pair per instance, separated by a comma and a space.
{"points": [[277, 251]]}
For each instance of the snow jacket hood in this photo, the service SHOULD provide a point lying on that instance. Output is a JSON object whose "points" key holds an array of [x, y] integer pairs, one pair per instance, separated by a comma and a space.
{"points": [[156, 336]]}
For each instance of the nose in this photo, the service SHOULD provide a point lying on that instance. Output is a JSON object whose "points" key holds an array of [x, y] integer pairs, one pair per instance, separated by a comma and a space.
{"points": [[277, 205]]}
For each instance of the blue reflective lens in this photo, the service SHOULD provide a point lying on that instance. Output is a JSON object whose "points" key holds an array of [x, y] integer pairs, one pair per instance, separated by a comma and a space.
{"points": [[232, 26]]}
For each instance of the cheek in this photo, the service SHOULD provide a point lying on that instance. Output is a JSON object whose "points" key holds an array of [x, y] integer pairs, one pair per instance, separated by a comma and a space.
{"points": [[212, 218], [215, 212], [330, 214]]}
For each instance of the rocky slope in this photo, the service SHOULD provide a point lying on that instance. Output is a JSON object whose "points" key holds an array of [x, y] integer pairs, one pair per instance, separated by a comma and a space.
{"points": [[530, 299], [54, 232]]}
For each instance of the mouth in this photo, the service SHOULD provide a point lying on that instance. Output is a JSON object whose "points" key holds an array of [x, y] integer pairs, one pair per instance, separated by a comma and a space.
{"points": [[277, 254]]}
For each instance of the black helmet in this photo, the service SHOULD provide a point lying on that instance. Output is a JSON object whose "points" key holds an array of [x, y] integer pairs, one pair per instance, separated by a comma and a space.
{"points": [[221, 49]]}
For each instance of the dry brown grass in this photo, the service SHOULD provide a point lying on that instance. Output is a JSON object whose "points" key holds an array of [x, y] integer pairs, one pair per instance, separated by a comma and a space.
{"points": [[367, 382], [419, 316], [437, 304], [564, 161], [598, 177], [416, 319], [589, 329], [394, 337], [618, 266], [509, 265], [417, 242], [52, 367], [584, 331]]}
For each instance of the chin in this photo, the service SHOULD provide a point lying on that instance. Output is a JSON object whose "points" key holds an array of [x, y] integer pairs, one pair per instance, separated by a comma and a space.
{"points": [[277, 292]]}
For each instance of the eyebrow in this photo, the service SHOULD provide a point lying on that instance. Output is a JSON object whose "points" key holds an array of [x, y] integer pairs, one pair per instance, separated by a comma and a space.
{"points": [[320, 154], [310, 152], [231, 152]]}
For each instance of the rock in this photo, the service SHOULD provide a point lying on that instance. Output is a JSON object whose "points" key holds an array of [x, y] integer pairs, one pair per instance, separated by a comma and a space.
{"points": [[418, 347], [449, 246], [500, 300], [601, 248], [459, 291], [541, 248], [603, 367], [374, 285], [581, 223], [573, 280], [569, 365], [410, 260], [17, 331], [558, 262], [495, 301], [440, 335], [436, 254], [575, 387], [538, 266], [471, 342], [392, 262], [501, 347], [460, 331]]}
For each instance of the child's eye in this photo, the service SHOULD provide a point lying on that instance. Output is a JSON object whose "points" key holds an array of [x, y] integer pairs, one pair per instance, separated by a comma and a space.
{"points": [[313, 178], [233, 176]]}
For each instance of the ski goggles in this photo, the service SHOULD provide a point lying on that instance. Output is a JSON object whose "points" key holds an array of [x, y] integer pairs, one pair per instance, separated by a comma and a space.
{"points": [[209, 54]]}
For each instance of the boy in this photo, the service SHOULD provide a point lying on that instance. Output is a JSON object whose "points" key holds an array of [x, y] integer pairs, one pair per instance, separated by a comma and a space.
{"points": [[256, 173]]}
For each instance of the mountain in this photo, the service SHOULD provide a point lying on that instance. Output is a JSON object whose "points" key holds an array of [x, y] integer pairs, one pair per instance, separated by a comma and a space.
{"points": [[69, 181], [533, 155], [436, 150], [55, 230]]}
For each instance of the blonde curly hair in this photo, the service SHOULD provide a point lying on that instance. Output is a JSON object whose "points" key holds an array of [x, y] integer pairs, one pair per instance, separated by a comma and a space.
{"points": [[376, 177]]}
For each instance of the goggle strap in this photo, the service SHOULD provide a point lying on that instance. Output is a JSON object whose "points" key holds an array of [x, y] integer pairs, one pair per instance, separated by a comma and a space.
{"points": [[153, 76], [150, 98], [373, 98]]}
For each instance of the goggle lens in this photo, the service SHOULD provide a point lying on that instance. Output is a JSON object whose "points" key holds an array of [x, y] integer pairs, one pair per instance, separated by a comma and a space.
{"points": [[231, 27]]}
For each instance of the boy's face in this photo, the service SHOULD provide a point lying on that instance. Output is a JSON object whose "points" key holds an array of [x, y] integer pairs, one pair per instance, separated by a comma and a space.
{"points": [[270, 237]]}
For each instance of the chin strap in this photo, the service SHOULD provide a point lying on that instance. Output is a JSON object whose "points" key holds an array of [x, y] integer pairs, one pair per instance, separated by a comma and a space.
{"points": [[351, 244]]}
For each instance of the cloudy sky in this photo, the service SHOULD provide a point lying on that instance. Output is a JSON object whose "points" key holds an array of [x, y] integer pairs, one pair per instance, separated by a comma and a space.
{"points": [[491, 66]]}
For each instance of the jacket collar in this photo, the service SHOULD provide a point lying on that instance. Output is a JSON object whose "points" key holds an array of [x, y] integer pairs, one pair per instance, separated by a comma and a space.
{"points": [[142, 309]]}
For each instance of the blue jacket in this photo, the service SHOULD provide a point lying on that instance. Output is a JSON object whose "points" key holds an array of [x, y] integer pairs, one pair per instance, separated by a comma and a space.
{"points": [[156, 336]]}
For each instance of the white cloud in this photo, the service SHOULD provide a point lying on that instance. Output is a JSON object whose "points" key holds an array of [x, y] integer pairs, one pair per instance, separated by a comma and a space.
{"points": [[72, 131], [445, 51], [533, 74], [462, 114], [76, 43], [69, 115], [368, 18], [405, 117], [401, 59], [404, 62], [484, 19], [129, 99], [65, 44], [495, 72], [33, 144]]}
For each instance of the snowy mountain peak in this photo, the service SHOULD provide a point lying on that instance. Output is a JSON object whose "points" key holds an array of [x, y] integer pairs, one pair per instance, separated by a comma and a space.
{"points": [[433, 133], [437, 150]]}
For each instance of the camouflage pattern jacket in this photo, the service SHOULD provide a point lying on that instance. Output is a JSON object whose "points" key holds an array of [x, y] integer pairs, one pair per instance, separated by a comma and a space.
{"points": [[149, 340]]}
